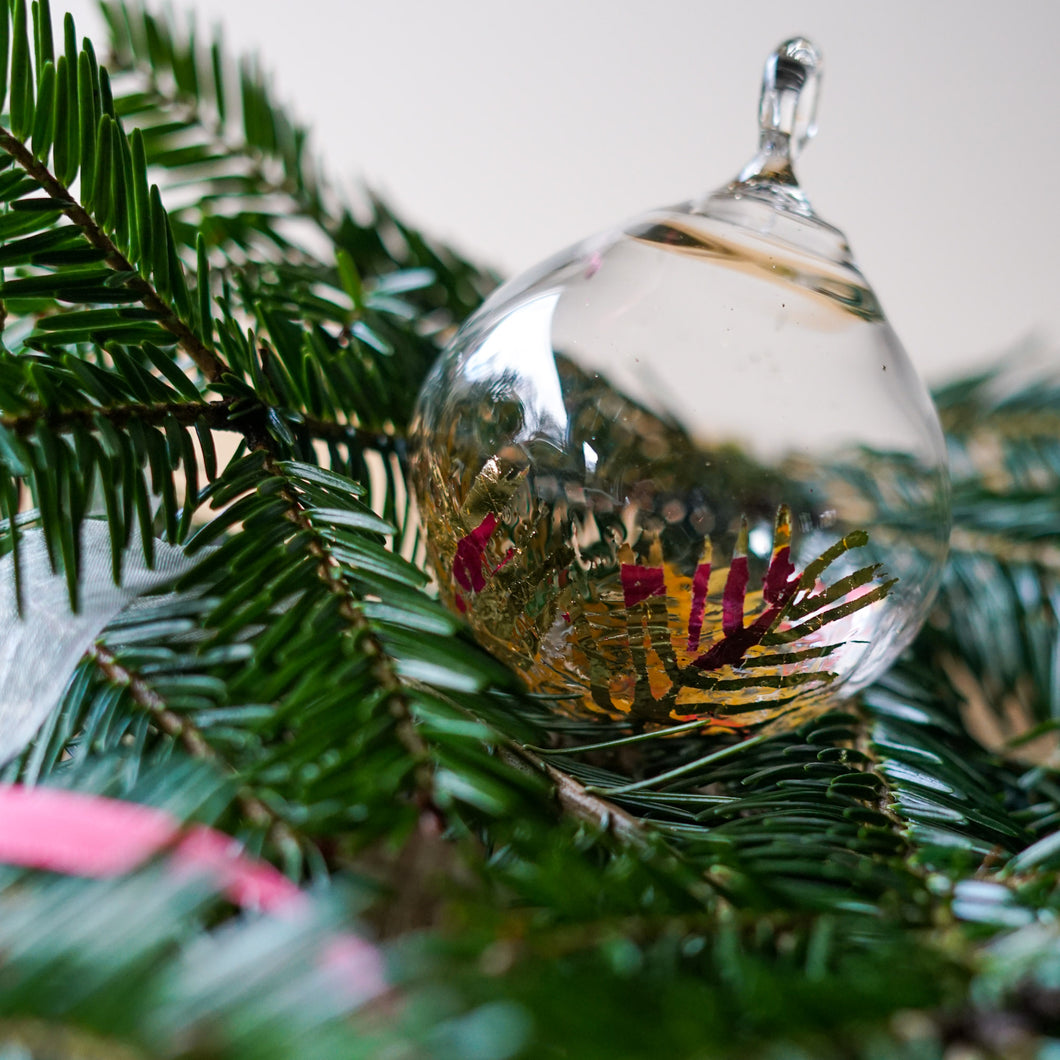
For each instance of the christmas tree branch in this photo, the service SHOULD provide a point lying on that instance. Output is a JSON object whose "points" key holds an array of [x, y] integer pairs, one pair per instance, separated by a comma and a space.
{"points": [[206, 359], [267, 135], [226, 414], [183, 730], [577, 802], [1043, 554], [330, 572], [250, 153], [349, 434], [214, 414]]}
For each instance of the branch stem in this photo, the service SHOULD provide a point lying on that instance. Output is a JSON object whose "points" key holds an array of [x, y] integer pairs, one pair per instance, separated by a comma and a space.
{"points": [[577, 801], [207, 361], [215, 414], [190, 737], [330, 572]]}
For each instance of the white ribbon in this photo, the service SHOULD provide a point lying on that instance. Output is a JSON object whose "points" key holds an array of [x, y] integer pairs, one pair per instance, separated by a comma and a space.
{"points": [[40, 648]]}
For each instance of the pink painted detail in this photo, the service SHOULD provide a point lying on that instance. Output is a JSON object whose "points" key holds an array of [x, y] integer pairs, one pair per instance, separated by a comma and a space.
{"points": [[700, 584], [732, 601], [736, 640], [595, 261], [638, 583], [729, 650], [780, 583], [469, 563]]}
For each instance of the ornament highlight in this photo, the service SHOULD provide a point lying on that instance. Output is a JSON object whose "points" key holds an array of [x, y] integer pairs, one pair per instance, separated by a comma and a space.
{"points": [[685, 469]]}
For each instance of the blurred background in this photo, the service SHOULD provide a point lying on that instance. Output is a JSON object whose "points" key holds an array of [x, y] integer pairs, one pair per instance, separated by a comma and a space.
{"points": [[512, 130]]}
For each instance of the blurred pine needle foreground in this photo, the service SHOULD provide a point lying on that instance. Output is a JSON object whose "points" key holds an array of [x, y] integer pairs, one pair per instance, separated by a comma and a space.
{"points": [[209, 360]]}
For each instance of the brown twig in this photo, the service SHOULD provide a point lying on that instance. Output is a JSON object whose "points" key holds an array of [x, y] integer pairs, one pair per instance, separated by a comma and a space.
{"points": [[331, 430], [189, 735], [575, 801], [215, 414]]}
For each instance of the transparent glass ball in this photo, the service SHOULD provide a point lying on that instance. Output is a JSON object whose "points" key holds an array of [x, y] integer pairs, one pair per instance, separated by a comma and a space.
{"points": [[684, 469]]}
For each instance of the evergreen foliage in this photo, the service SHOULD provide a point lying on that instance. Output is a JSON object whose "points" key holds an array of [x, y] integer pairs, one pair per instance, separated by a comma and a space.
{"points": [[881, 883]]}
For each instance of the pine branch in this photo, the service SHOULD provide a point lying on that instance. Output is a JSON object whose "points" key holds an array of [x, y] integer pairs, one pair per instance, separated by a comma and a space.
{"points": [[181, 729], [247, 149], [205, 358], [359, 437], [330, 572], [226, 414], [264, 987], [217, 415], [266, 723], [580, 805], [1006, 549]]}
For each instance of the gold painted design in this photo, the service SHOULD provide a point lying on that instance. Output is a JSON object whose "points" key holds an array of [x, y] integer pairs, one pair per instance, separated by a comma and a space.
{"points": [[594, 616]]}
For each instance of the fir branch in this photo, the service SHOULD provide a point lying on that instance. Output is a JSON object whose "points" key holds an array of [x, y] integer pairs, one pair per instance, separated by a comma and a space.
{"points": [[183, 730], [768, 886], [580, 804], [251, 152], [45, 1038], [206, 359], [1005, 548], [217, 415], [185, 980], [351, 434], [330, 572], [202, 105]]}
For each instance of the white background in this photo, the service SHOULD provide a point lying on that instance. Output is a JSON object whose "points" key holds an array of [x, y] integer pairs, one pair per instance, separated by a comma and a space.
{"points": [[513, 129]]}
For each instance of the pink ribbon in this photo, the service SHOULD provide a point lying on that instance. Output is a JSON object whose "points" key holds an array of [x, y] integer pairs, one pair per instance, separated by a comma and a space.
{"points": [[76, 834]]}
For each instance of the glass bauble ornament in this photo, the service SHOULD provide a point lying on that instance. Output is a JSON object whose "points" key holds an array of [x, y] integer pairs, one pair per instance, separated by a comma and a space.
{"points": [[685, 470]]}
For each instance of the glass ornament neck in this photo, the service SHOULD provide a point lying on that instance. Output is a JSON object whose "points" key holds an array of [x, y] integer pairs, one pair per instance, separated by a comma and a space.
{"points": [[787, 110], [766, 198], [787, 117]]}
